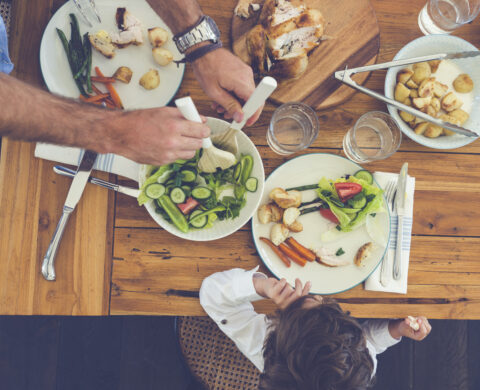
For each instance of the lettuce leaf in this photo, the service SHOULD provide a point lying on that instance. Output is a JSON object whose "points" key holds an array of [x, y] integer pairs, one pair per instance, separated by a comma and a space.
{"points": [[142, 198]]}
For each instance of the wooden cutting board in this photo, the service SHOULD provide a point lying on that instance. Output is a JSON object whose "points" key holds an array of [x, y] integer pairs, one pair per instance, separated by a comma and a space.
{"points": [[354, 40]]}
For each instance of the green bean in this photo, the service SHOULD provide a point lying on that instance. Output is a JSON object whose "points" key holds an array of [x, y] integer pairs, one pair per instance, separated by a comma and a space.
{"points": [[303, 188], [66, 47], [88, 48], [311, 210]]}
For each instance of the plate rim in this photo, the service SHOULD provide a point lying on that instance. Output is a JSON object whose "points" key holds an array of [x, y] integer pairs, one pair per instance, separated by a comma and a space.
{"points": [[387, 209], [43, 64]]}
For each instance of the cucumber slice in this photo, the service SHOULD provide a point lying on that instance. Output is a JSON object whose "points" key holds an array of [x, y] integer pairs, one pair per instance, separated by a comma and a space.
{"points": [[358, 201], [188, 176], [177, 195], [363, 174], [201, 193], [236, 173], [155, 190], [251, 184], [199, 222]]}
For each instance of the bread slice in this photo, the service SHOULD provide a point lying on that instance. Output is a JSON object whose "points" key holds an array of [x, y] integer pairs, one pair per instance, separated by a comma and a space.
{"points": [[102, 42], [363, 253]]}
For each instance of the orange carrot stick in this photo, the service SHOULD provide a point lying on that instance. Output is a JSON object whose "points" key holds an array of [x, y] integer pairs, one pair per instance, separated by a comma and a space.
{"points": [[301, 250], [101, 79], [95, 98], [279, 253], [111, 89], [96, 90], [292, 254], [109, 104]]}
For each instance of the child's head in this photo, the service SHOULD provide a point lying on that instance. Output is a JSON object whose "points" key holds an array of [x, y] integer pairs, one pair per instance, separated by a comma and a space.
{"points": [[315, 347]]}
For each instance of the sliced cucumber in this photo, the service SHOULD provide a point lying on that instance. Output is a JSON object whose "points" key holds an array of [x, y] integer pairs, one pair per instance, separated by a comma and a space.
{"points": [[199, 222], [365, 175], [177, 195], [237, 172], [155, 190], [358, 201], [251, 184], [188, 175], [201, 193]]}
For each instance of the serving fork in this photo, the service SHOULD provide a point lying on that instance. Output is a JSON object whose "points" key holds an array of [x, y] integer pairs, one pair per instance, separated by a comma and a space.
{"points": [[390, 191], [82, 9]]}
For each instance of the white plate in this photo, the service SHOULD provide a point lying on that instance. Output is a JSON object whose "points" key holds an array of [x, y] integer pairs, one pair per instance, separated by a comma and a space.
{"points": [[437, 44], [309, 169], [56, 71], [220, 228]]}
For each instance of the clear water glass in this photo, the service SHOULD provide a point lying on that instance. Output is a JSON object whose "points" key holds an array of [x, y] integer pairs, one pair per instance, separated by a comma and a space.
{"points": [[293, 127], [375, 136], [444, 16]]}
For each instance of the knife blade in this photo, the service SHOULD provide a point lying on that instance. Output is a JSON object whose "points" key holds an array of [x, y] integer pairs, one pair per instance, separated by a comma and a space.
{"points": [[74, 194], [462, 54], [400, 210]]}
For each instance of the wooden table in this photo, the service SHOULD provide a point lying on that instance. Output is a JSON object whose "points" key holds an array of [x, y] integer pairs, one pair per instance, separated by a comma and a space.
{"points": [[114, 259]]}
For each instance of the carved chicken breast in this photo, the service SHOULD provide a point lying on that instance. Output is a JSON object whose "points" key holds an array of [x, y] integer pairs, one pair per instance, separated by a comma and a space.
{"points": [[130, 29]]}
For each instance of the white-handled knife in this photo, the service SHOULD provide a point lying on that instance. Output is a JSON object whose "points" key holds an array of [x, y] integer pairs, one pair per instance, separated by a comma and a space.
{"points": [[400, 210], [74, 194]]}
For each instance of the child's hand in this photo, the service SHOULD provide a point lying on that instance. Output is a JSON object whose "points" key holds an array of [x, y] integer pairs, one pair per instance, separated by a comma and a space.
{"points": [[399, 328], [279, 291]]}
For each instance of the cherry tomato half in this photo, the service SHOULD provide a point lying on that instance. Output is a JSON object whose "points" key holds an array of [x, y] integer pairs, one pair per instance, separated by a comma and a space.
{"points": [[328, 214], [346, 191]]}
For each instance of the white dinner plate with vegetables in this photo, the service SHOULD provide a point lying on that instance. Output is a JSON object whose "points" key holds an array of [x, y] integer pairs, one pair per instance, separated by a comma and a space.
{"points": [[199, 206], [56, 69], [334, 233]]}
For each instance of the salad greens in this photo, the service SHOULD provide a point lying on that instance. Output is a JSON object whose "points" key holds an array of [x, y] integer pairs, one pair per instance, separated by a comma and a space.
{"points": [[202, 194]]}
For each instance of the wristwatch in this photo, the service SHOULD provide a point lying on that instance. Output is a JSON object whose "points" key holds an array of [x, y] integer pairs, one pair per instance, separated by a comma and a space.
{"points": [[204, 30]]}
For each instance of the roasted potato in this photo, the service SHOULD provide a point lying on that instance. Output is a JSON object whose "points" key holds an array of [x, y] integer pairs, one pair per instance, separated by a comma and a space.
{"points": [[279, 233], [416, 121], [150, 80], [450, 119], [430, 110], [276, 191], [362, 254], [404, 75], [157, 36], [123, 74], [422, 103], [434, 64], [439, 89], [435, 103], [264, 213], [296, 227], [426, 87], [290, 215], [420, 128], [401, 92], [286, 199], [463, 83], [432, 131], [297, 195], [421, 71], [162, 56], [411, 84], [277, 212], [459, 115], [414, 93], [406, 116], [451, 102]]}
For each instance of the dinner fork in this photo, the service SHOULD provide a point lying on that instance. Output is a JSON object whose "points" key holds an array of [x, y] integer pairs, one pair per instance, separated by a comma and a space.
{"points": [[390, 190], [82, 9]]}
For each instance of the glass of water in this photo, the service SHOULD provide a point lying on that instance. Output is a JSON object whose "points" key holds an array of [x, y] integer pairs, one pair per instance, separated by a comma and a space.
{"points": [[293, 127], [375, 136], [444, 16]]}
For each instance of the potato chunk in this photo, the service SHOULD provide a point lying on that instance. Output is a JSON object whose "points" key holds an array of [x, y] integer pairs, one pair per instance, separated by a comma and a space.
{"points": [[421, 127], [422, 103], [439, 89], [162, 56], [432, 131], [451, 102], [463, 83], [157, 36], [404, 75], [265, 213], [406, 116], [459, 115], [426, 87], [434, 64], [150, 80], [279, 233], [123, 74], [401, 92], [421, 71], [411, 84]]}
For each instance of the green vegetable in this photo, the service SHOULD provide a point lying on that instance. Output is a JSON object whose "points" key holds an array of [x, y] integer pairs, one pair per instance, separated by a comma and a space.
{"points": [[310, 210], [174, 213], [188, 175], [177, 195], [143, 198], [198, 222], [239, 191], [247, 165], [208, 212], [339, 252], [303, 188], [358, 201], [201, 193], [155, 190], [232, 207], [251, 184], [364, 175]]}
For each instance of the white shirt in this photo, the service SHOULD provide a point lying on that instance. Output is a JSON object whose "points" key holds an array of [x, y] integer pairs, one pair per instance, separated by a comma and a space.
{"points": [[227, 296]]}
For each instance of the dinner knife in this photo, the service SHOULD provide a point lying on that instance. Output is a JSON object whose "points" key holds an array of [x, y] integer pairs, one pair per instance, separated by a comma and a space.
{"points": [[74, 194], [134, 192], [400, 210]]}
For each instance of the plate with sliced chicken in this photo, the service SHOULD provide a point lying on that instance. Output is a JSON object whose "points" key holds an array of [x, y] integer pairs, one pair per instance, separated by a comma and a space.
{"points": [[322, 219], [132, 47]]}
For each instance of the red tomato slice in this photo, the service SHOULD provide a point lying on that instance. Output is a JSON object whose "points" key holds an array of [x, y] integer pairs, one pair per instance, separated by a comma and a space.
{"points": [[328, 214], [188, 206], [346, 191]]}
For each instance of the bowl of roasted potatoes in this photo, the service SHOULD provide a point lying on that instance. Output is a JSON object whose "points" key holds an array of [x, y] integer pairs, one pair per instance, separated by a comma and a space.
{"points": [[447, 89]]}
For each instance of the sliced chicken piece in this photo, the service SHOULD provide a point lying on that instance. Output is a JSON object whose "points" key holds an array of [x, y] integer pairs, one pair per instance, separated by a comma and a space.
{"points": [[256, 46], [327, 257], [289, 68], [286, 10], [102, 42], [130, 29]]}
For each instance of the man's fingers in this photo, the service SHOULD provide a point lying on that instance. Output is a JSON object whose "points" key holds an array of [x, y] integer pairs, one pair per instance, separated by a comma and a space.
{"points": [[194, 130], [229, 103], [189, 143], [254, 117], [185, 154]]}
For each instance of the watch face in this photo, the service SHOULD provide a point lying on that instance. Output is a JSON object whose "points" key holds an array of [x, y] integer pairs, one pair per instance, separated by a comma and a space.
{"points": [[213, 26]]}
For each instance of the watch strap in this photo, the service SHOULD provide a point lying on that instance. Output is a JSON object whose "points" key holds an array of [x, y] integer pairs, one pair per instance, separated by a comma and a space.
{"points": [[200, 52], [196, 34]]}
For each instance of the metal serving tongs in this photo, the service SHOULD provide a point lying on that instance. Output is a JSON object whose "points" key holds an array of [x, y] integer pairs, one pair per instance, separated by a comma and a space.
{"points": [[345, 77]]}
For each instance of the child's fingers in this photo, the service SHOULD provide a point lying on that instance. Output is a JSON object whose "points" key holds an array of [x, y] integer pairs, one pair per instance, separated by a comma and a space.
{"points": [[306, 288]]}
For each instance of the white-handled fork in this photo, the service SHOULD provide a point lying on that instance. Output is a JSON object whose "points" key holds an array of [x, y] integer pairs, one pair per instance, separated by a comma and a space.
{"points": [[386, 269]]}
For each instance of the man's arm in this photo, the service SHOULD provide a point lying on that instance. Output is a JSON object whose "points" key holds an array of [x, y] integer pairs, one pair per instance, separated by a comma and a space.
{"points": [[154, 136], [222, 75]]}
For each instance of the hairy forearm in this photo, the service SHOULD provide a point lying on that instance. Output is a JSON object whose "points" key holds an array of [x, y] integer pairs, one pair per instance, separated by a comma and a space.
{"points": [[31, 114], [178, 14]]}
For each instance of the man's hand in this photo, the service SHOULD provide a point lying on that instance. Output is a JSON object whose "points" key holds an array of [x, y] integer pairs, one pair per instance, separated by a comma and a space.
{"points": [[279, 291], [399, 328], [228, 81], [155, 136]]}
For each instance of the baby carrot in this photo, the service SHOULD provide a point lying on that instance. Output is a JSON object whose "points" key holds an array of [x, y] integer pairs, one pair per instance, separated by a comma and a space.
{"points": [[279, 253], [111, 89], [95, 98], [101, 79], [300, 249], [292, 254]]}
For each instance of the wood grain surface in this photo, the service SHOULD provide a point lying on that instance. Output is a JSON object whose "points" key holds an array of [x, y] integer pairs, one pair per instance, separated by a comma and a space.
{"points": [[153, 272], [353, 39]]}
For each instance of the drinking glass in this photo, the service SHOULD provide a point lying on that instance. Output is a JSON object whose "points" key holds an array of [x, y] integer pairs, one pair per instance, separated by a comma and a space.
{"points": [[293, 127], [375, 136], [444, 16]]}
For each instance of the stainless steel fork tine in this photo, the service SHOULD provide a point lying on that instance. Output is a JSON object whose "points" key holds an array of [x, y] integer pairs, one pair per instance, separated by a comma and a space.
{"points": [[94, 8], [82, 12]]}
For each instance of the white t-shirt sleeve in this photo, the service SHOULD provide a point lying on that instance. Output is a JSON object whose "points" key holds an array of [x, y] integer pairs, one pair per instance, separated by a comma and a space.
{"points": [[226, 297]]}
